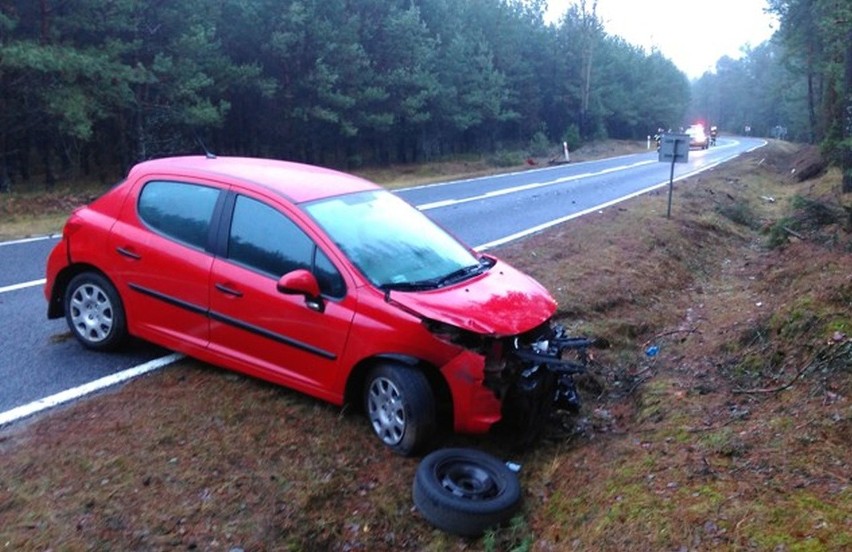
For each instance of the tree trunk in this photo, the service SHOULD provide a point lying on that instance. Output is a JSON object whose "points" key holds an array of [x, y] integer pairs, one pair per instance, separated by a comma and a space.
{"points": [[812, 134], [5, 182], [846, 157], [49, 176], [589, 36]]}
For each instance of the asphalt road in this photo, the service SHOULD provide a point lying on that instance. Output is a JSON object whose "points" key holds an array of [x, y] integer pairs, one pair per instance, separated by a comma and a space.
{"points": [[39, 358]]}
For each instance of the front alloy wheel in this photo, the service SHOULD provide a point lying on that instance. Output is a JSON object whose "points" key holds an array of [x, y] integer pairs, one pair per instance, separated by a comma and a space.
{"points": [[401, 407], [94, 312]]}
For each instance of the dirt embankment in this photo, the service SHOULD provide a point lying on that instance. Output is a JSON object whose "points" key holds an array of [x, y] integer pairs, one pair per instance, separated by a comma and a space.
{"points": [[719, 419], [735, 434]]}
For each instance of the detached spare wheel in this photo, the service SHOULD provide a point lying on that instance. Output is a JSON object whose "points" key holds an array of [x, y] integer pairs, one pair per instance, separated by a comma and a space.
{"points": [[465, 491]]}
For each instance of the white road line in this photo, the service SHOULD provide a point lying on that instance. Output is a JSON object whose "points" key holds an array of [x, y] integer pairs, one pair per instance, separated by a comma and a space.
{"points": [[497, 176], [32, 283], [531, 186], [29, 240], [71, 394], [23, 285], [546, 225]]}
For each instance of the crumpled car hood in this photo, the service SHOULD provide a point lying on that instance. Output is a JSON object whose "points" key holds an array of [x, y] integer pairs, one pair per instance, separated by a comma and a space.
{"points": [[501, 302]]}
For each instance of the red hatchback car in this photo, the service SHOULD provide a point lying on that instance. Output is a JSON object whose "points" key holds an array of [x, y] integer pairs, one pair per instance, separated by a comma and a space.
{"points": [[315, 280]]}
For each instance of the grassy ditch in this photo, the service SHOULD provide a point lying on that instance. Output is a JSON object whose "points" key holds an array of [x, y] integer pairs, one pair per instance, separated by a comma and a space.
{"points": [[734, 436]]}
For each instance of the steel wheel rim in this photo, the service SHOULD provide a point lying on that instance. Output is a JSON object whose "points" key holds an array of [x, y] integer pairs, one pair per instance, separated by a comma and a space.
{"points": [[467, 480], [91, 313], [386, 410]]}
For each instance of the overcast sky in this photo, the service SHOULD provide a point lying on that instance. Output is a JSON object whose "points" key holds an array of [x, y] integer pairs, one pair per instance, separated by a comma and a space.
{"points": [[694, 34]]}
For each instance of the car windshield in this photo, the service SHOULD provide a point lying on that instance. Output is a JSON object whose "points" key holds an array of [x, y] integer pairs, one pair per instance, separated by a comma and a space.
{"points": [[393, 244]]}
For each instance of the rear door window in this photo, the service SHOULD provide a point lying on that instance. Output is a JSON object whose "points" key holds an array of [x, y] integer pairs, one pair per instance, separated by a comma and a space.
{"points": [[179, 210]]}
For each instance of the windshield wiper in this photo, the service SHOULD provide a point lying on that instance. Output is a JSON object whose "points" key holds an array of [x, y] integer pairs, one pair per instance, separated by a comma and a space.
{"points": [[465, 272], [421, 285], [434, 283]]}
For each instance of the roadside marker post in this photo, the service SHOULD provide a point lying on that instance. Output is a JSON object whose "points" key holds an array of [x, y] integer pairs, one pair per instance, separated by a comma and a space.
{"points": [[674, 148]]}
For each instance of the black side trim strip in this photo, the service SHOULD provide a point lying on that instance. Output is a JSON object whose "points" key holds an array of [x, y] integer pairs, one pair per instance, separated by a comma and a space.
{"points": [[271, 335], [169, 299], [234, 322]]}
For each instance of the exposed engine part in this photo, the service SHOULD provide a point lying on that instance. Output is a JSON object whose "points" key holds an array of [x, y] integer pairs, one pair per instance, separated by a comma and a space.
{"points": [[540, 380]]}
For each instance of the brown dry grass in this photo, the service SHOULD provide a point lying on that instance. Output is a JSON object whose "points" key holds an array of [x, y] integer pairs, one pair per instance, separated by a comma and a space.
{"points": [[701, 447], [29, 214]]}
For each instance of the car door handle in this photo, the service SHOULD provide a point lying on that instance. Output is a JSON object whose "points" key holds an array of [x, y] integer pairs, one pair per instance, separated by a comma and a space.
{"points": [[129, 253], [228, 290]]}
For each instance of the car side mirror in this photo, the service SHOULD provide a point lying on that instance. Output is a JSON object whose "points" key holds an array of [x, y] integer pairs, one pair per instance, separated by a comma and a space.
{"points": [[302, 282]]}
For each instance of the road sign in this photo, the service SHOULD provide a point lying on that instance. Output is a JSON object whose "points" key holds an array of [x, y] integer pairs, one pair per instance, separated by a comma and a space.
{"points": [[674, 148]]}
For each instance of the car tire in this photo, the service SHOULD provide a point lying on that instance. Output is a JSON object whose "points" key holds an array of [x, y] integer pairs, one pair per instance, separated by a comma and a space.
{"points": [[465, 491], [400, 406], [94, 312]]}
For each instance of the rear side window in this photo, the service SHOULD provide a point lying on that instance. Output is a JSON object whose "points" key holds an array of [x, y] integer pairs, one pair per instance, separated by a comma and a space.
{"points": [[178, 210], [264, 239]]}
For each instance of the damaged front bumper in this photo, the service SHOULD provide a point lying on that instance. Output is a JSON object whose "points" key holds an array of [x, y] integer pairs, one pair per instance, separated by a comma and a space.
{"points": [[514, 384]]}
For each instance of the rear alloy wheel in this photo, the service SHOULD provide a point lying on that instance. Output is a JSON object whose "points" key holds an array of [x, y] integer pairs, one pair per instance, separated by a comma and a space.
{"points": [[465, 491], [94, 312], [401, 407]]}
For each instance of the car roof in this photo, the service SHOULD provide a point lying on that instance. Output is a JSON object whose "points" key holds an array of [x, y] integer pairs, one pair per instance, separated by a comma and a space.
{"points": [[295, 181]]}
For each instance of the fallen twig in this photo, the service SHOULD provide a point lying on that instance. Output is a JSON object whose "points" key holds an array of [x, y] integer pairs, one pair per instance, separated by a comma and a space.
{"points": [[834, 354], [636, 385], [793, 233], [728, 499], [787, 385], [712, 428], [773, 389], [640, 372]]}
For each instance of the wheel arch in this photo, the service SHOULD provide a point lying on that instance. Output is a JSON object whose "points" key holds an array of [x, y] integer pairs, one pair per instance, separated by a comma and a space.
{"points": [[354, 390], [56, 305]]}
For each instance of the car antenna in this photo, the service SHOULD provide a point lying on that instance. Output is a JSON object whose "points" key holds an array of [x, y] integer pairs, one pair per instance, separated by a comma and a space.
{"points": [[207, 153]]}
